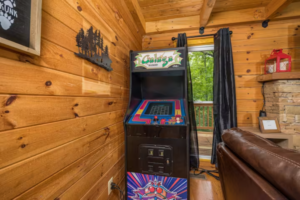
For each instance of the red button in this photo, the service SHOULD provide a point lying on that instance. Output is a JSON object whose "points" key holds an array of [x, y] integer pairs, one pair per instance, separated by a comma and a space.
{"points": [[155, 117], [151, 189], [159, 190]]}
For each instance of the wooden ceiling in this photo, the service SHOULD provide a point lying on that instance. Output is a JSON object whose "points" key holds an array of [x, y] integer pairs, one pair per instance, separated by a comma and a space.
{"points": [[168, 15], [230, 5], [154, 10]]}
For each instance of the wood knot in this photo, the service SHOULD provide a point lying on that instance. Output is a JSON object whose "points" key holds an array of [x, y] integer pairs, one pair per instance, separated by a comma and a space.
{"points": [[116, 38], [48, 83], [114, 43], [110, 103], [23, 146], [10, 100], [76, 115], [20, 138], [248, 70], [258, 14], [7, 111], [76, 105], [79, 8], [107, 131], [24, 58]]}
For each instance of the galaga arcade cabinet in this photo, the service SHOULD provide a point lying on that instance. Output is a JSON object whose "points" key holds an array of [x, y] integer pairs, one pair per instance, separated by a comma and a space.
{"points": [[157, 126]]}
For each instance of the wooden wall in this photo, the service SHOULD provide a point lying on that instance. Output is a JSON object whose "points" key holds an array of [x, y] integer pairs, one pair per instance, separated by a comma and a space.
{"points": [[251, 45], [61, 131]]}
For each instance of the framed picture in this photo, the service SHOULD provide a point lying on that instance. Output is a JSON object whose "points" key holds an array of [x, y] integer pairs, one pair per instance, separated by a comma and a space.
{"points": [[269, 125], [20, 25]]}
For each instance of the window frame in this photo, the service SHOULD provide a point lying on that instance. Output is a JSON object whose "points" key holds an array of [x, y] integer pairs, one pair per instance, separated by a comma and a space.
{"points": [[201, 48]]}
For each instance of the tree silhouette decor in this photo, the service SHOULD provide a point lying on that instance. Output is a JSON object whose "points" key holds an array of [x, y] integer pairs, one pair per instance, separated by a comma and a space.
{"points": [[91, 47]]}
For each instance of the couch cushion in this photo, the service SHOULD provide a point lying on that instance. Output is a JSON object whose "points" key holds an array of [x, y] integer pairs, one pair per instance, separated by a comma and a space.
{"points": [[281, 167]]}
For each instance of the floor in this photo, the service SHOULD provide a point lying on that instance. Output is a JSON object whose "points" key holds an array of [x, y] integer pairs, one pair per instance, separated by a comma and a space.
{"points": [[209, 189]]}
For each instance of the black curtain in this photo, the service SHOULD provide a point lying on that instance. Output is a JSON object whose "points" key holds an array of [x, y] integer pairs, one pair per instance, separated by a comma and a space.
{"points": [[194, 151], [225, 116]]}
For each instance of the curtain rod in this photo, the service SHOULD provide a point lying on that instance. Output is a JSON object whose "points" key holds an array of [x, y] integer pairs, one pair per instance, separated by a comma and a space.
{"points": [[174, 38]]}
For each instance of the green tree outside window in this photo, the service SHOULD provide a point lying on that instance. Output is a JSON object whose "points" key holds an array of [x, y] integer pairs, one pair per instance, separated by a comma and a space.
{"points": [[202, 66]]}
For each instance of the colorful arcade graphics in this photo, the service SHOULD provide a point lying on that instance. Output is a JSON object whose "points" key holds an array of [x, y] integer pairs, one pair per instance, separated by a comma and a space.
{"points": [[156, 60], [167, 112], [151, 187], [157, 126]]}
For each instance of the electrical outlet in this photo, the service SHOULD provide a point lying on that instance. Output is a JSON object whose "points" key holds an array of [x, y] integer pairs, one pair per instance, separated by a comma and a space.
{"points": [[109, 185]]}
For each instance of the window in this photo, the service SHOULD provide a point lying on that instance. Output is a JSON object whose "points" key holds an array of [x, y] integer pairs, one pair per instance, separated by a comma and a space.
{"points": [[202, 66]]}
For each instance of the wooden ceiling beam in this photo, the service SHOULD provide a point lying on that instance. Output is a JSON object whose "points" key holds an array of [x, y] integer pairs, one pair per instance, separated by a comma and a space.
{"points": [[206, 11], [136, 12], [237, 16], [221, 19], [274, 7]]}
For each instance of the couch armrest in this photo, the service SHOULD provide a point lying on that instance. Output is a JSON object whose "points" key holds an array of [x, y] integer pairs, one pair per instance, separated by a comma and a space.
{"points": [[239, 181]]}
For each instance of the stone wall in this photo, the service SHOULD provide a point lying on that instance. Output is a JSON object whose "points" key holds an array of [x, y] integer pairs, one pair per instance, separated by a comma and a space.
{"points": [[282, 100]]}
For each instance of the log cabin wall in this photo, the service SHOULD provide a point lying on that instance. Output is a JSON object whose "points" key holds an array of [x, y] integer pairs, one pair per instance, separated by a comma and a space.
{"points": [[61, 130], [251, 44]]}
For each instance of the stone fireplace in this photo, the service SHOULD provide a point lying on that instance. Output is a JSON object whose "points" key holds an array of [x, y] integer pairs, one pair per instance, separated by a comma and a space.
{"points": [[282, 100]]}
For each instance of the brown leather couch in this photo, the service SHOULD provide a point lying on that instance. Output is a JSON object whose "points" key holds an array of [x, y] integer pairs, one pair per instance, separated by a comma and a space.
{"points": [[253, 168]]}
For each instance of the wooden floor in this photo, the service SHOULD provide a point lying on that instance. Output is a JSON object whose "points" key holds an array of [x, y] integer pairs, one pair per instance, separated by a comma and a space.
{"points": [[209, 189]]}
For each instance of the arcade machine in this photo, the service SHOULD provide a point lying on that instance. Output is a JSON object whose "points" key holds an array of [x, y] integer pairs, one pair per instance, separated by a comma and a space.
{"points": [[156, 126]]}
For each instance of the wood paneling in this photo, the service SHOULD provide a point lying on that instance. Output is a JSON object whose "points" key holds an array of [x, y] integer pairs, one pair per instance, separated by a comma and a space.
{"points": [[16, 115], [229, 5], [246, 15], [173, 24], [168, 13], [20, 144], [26, 174], [61, 116], [55, 185], [251, 45], [155, 10]]}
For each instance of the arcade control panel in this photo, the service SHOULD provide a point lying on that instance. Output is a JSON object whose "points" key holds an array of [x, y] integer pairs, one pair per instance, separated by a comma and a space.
{"points": [[159, 112]]}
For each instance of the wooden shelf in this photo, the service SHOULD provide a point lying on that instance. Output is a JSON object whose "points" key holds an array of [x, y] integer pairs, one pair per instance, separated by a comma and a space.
{"points": [[281, 139], [278, 76]]}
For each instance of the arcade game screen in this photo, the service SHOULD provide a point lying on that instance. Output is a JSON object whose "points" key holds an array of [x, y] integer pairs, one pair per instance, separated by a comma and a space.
{"points": [[165, 112], [159, 109]]}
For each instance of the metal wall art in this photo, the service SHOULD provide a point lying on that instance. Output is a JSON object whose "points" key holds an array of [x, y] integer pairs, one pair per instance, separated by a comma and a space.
{"points": [[90, 47]]}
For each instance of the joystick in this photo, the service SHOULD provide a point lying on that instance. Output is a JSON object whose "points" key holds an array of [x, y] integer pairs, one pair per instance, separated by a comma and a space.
{"points": [[155, 119]]}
